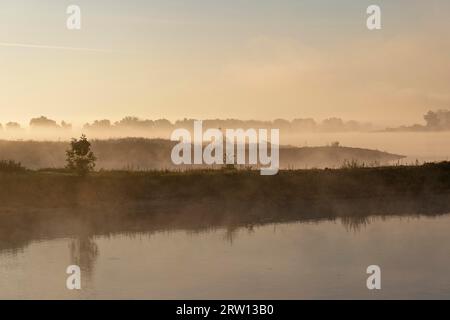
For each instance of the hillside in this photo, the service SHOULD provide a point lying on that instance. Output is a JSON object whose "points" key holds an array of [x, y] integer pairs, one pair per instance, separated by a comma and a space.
{"points": [[151, 154]]}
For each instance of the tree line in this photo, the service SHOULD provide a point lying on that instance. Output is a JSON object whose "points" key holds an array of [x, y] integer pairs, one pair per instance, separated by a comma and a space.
{"points": [[135, 123], [434, 121]]}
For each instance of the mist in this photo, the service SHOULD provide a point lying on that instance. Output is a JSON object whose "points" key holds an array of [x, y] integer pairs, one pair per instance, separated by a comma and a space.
{"points": [[423, 143]]}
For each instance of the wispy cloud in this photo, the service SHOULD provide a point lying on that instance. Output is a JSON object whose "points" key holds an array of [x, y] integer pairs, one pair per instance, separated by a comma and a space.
{"points": [[51, 47]]}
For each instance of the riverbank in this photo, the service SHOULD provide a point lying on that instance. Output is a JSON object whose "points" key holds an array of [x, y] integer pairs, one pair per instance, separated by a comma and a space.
{"points": [[228, 189]]}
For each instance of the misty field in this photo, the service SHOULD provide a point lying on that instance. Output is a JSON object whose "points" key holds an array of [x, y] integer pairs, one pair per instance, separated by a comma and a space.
{"points": [[136, 154]]}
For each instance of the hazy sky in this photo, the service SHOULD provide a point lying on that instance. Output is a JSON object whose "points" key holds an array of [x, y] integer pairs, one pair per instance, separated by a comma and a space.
{"points": [[246, 59]]}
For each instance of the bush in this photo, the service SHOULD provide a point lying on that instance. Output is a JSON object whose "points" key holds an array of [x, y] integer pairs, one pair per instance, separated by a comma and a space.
{"points": [[11, 166], [80, 158]]}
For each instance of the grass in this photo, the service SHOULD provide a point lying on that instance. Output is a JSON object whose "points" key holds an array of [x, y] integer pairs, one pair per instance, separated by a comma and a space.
{"points": [[61, 188]]}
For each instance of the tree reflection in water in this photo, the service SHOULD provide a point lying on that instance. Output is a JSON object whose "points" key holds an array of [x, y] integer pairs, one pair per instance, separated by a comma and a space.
{"points": [[83, 253]]}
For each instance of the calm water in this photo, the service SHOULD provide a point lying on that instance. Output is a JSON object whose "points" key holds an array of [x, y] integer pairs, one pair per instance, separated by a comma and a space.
{"points": [[293, 261]]}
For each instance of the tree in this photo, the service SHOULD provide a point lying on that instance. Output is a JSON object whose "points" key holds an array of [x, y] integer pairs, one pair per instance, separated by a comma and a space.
{"points": [[12, 126], [304, 124], [66, 125], [80, 158], [43, 122], [335, 144], [438, 120], [333, 125]]}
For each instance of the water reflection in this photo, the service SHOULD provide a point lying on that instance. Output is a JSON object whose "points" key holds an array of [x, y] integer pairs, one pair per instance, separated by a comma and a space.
{"points": [[19, 227], [355, 224], [309, 259], [83, 253], [317, 252]]}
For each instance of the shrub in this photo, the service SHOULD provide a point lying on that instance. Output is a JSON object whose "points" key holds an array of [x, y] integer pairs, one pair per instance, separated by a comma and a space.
{"points": [[80, 158], [11, 166]]}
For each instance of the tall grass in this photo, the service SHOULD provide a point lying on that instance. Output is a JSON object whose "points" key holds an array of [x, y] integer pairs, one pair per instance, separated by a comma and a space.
{"points": [[11, 166]]}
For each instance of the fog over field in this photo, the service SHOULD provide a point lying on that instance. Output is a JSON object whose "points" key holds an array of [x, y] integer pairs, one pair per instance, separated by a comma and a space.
{"points": [[431, 139]]}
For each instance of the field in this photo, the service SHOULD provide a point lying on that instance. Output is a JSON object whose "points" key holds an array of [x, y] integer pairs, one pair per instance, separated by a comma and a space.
{"points": [[154, 154]]}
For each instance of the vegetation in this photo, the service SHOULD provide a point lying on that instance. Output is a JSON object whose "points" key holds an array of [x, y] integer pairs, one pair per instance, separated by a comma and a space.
{"points": [[435, 121], [234, 188], [80, 158], [11, 166], [154, 154]]}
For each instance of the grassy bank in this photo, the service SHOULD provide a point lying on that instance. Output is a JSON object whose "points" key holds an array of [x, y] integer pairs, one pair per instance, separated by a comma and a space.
{"points": [[242, 188]]}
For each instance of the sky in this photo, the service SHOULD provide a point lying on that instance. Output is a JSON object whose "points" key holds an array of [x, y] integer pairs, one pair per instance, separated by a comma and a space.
{"points": [[247, 59]]}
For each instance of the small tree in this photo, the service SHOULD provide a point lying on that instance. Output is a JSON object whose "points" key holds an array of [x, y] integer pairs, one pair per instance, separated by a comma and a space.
{"points": [[335, 144], [80, 158]]}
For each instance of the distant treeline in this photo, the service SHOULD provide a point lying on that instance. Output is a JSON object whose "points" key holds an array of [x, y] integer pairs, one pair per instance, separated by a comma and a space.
{"points": [[306, 124], [434, 121], [164, 125], [36, 123]]}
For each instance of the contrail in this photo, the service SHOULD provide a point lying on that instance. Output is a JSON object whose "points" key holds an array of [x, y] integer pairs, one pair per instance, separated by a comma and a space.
{"points": [[38, 46]]}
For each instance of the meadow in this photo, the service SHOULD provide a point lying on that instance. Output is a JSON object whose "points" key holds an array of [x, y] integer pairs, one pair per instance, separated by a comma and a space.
{"points": [[137, 154]]}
